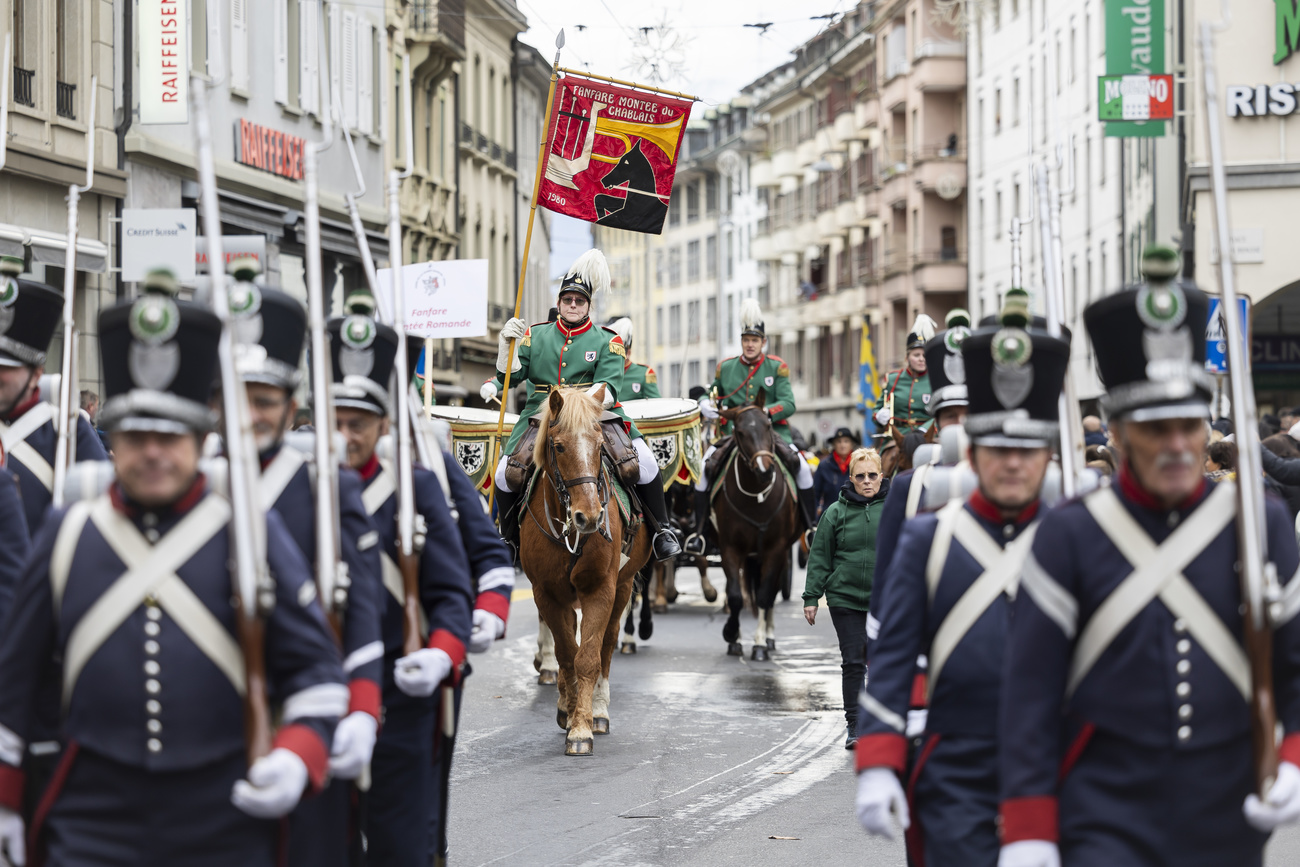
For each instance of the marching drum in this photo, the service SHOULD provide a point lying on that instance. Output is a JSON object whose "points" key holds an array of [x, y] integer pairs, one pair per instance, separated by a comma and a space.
{"points": [[472, 432], [671, 427]]}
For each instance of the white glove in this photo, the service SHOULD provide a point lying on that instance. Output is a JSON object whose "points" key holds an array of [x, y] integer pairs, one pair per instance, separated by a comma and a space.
{"points": [[13, 837], [487, 629], [489, 391], [1030, 853], [419, 673], [916, 722], [1294, 432], [274, 786], [354, 741], [879, 794], [514, 329], [707, 409], [1282, 807], [608, 400], [882, 416]]}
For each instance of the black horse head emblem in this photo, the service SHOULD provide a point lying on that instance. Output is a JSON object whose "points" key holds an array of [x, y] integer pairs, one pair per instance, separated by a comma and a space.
{"points": [[641, 209]]}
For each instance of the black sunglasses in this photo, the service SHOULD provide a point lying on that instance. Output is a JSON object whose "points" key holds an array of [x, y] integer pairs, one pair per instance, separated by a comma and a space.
{"points": [[864, 476]]}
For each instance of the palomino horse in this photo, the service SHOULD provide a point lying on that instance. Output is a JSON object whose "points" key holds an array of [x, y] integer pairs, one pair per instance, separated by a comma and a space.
{"points": [[758, 521], [571, 545]]}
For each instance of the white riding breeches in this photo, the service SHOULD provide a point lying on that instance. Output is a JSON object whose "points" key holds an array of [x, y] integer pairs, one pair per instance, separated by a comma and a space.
{"points": [[645, 458], [803, 480]]}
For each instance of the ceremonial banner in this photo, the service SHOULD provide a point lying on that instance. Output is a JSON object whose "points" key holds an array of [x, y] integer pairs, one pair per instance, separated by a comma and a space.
{"points": [[868, 387], [612, 153]]}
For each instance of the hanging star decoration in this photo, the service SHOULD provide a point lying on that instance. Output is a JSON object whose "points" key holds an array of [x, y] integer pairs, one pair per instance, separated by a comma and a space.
{"points": [[957, 14], [658, 53]]}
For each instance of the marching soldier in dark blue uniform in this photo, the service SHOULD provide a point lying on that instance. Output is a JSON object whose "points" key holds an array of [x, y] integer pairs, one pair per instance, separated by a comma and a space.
{"points": [[14, 541], [29, 315], [271, 326], [1125, 727], [403, 796], [951, 583], [132, 594]]}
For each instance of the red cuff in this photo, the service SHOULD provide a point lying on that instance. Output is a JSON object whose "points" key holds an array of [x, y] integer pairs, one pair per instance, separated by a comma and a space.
{"points": [[303, 742], [1290, 749], [12, 781], [1029, 819], [919, 687], [883, 750], [494, 603], [449, 644], [363, 696]]}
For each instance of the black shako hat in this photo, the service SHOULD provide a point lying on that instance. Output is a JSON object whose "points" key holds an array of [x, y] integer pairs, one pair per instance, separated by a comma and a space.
{"points": [[1150, 345], [362, 357], [30, 313], [1014, 376], [945, 366], [269, 326], [159, 355]]}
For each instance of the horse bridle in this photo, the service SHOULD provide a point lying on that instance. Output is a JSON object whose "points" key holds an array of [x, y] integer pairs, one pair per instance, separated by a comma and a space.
{"points": [[740, 447], [562, 487]]}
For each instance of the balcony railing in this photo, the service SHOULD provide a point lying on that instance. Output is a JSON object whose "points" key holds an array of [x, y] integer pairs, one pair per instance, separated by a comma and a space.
{"points": [[66, 100], [430, 18], [23, 79], [512, 162], [481, 142], [939, 256], [939, 152], [466, 134], [496, 152], [934, 48]]}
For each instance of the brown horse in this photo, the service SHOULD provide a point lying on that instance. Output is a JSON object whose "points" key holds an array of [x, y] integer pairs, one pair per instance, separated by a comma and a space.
{"points": [[573, 551], [757, 520], [897, 451]]}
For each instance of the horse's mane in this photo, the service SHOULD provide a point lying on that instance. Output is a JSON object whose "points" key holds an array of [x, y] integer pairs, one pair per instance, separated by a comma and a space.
{"points": [[579, 410], [912, 440]]}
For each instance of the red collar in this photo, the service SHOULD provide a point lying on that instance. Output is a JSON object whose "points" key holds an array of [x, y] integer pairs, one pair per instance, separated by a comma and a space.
{"points": [[370, 469], [984, 507], [1133, 491], [187, 500], [842, 464], [21, 408], [574, 332]]}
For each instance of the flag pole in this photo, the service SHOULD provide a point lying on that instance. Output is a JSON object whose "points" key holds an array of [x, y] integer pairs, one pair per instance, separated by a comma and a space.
{"points": [[582, 74], [523, 267]]}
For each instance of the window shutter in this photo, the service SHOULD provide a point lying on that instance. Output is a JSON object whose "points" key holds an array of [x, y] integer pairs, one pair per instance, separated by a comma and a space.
{"points": [[281, 27], [348, 75], [366, 78], [239, 44], [333, 32], [309, 55]]}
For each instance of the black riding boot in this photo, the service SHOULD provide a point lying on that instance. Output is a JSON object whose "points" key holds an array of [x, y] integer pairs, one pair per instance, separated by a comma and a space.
{"points": [[508, 520], [808, 507], [695, 543], [652, 497]]}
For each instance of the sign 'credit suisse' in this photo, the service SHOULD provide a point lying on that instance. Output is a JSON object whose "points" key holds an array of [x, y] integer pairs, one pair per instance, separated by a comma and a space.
{"points": [[164, 61], [269, 150]]}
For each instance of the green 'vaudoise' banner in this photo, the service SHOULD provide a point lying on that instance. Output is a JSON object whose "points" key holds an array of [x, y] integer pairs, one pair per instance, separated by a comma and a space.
{"points": [[1135, 44]]}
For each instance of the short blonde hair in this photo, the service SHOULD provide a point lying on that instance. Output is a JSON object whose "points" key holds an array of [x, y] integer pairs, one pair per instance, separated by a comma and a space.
{"points": [[864, 454]]}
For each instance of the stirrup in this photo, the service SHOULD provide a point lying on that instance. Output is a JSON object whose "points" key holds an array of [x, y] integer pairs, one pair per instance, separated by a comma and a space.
{"points": [[695, 544], [808, 536], [664, 537]]}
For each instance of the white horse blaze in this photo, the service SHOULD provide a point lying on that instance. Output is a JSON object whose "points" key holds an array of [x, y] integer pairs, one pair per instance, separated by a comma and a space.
{"points": [[600, 699], [765, 629]]}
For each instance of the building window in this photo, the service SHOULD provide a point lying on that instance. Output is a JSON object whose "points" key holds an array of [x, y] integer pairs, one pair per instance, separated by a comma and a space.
{"points": [[661, 271], [675, 325], [731, 316], [692, 261], [675, 380], [692, 202], [693, 374], [198, 36], [711, 257], [997, 214], [659, 325], [693, 322], [675, 266], [428, 128], [948, 243], [711, 317], [711, 195], [65, 37], [675, 207]]}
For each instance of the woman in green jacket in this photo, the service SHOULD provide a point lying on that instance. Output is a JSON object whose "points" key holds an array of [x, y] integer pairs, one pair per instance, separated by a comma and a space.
{"points": [[840, 567]]}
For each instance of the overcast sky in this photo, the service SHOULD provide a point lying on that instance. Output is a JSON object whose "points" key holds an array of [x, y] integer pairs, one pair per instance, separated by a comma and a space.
{"points": [[700, 46]]}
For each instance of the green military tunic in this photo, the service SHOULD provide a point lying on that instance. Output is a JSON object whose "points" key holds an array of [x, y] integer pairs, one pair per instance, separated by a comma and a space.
{"points": [[737, 384], [552, 354], [639, 381], [911, 398]]}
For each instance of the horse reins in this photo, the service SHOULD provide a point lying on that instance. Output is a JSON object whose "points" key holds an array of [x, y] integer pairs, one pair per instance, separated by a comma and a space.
{"points": [[562, 486]]}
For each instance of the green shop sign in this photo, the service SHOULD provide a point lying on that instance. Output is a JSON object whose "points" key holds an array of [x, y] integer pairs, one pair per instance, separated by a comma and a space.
{"points": [[1135, 45], [1288, 29]]}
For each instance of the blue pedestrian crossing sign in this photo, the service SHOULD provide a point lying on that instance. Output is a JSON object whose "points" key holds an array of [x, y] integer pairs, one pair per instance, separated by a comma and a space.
{"points": [[1216, 346]]}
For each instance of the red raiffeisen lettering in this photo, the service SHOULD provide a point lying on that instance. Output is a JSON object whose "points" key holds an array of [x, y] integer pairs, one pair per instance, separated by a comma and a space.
{"points": [[270, 150], [170, 13]]}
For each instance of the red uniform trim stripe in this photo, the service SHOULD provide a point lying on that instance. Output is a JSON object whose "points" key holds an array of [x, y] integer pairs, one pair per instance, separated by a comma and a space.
{"points": [[1029, 819], [881, 750], [1290, 749], [1076, 749], [915, 835], [51, 795], [449, 644], [12, 782], [364, 696], [919, 685], [308, 746], [494, 603]]}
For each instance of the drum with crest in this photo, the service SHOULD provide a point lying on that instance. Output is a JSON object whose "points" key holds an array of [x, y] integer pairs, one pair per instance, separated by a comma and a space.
{"points": [[671, 427], [472, 433]]}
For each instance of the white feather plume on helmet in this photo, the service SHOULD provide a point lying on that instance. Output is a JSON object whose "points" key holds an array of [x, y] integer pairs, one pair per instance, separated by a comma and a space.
{"points": [[622, 326], [922, 330], [588, 274], [751, 318]]}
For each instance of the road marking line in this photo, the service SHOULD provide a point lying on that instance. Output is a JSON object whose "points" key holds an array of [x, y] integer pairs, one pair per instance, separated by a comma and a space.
{"points": [[521, 593]]}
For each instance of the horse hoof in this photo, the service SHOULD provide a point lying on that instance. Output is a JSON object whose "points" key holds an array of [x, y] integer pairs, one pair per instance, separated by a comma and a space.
{"points": [[547, 677], [734, 649], [562, 719], [759, 654], [584, 747], [627, 647], [771, 644], [671, 597], [711, 595], [659, 609], [600, 726], [647, 629]]}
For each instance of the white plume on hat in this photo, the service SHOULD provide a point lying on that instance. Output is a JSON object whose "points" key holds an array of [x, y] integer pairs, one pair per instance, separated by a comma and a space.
{"points": [[750, 313], [593, 269], [924, 327], [622, 326]]}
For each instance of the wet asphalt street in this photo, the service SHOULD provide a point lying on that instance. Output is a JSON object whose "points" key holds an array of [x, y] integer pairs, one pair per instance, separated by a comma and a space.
{"points": [[709, 757]]}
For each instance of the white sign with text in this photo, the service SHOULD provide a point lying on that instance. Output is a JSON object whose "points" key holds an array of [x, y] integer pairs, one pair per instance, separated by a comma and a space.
{"points": [[164, 61], [442, 299], [158, 238]]}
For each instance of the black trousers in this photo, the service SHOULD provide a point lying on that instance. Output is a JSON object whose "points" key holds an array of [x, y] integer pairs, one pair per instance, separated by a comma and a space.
{"points": [[851, 630]]}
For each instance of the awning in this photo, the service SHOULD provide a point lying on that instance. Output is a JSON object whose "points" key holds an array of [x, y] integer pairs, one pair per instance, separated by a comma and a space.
{"points": [[51, 248]]}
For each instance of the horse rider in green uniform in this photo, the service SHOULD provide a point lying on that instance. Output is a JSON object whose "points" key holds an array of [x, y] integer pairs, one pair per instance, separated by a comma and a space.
{"points": [[571, 352], [905, 399], [639, 380], [741, 380]]}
